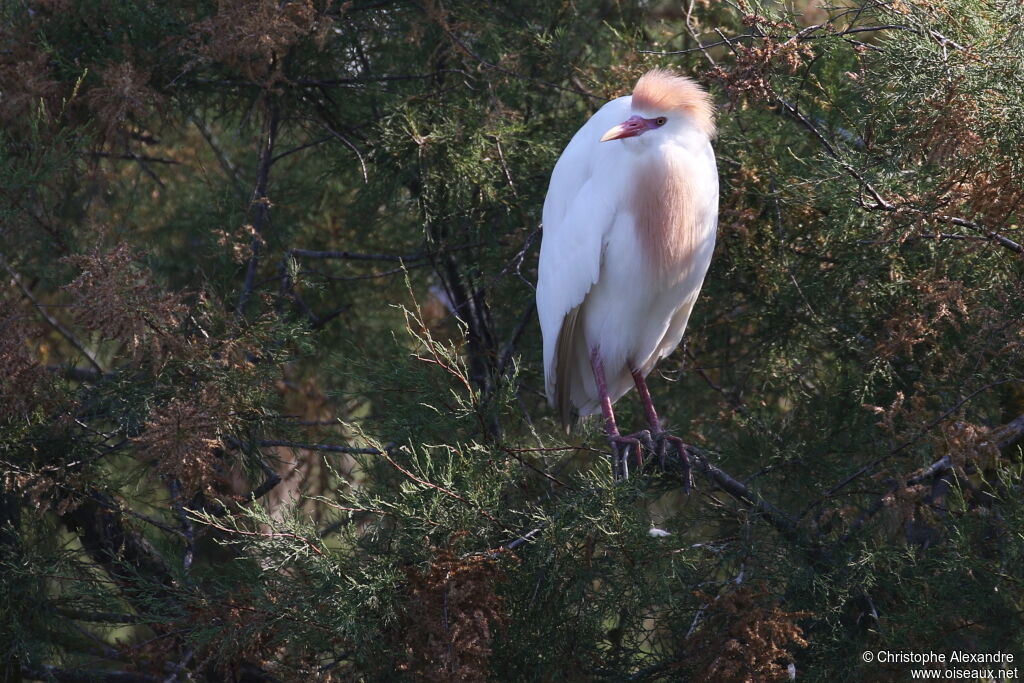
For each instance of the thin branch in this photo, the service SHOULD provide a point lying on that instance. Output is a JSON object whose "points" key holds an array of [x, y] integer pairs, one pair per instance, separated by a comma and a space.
{"points": [[187, 532], [136, 157], [44, 672], [99, 617], [526, 463], [351, 145], [744, 495], [510, 345], [289, 152], [362, 80], [322, 320], [53, 322], [462, 46], [990, 235], [805, 34], [525, 538], [394, 258], [272, 480], [882, 204], [330, 448], [225, 163], [77, 374], [260, 205], [1016, 428], [1010, 433], [731, 397], [354, 256]]}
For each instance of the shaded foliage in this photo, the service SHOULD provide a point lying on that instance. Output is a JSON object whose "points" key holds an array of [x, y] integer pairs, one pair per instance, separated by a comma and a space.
{"points": [[270, 374]]}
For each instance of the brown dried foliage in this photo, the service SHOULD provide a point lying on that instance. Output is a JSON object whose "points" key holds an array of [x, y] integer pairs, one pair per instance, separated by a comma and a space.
{"points": [[748, 80], [949, 132], [115, 297], [992, 197], [981, 178], [902, 419], [20, 372], [48, 487], [252, 37], [453, 615], [968, 444], [737, 213], [242, 635], [745, 638], [902, 506], [239, 242], [26, 80], [122, 96], [181, 437], [919, 318]]}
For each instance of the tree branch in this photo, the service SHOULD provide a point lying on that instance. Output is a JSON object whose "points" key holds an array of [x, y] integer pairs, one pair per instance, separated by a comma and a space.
{"points": [[882, 204], [260, 205], [53, 322], [44, 672]]}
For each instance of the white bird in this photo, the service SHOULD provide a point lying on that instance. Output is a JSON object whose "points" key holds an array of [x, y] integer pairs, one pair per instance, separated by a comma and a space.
{"points": [[629, 228]]}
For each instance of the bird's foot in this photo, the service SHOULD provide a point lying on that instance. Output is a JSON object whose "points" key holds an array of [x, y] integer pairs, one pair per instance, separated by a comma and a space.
{"points": [[663, 442], [621, 448]]}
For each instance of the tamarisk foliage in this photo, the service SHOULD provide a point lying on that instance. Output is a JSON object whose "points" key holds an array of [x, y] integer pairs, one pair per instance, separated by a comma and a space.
{"points": [[270, 381]]}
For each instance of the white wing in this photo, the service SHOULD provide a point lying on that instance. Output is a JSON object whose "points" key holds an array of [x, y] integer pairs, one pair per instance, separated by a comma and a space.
{"points": [[578, 213]]}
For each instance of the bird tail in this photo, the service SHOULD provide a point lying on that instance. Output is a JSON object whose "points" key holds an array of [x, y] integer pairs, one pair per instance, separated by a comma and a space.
{"points": [[565, 363]]}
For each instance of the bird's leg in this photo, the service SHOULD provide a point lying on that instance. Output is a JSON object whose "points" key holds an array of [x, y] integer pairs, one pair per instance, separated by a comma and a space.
{"points": [[645, 399], [661, 437], [620, 444]]}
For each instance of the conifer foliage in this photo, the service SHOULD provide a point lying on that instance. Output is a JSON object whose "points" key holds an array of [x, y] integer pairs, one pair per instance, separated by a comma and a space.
{"points": [[270, 380]]}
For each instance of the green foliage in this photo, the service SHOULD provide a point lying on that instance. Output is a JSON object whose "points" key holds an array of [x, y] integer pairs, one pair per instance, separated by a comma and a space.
{"points": [[271, 399]]}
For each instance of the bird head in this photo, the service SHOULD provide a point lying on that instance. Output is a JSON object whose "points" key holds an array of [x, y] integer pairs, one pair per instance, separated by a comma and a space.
{"points": [[665, 101]]}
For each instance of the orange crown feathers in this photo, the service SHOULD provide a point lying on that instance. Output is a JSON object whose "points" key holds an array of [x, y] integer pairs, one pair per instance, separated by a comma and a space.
{"points": [[663, 90]]}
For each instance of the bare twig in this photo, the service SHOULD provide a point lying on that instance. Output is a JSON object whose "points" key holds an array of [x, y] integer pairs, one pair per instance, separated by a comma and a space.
{"points": [[510, 345], [1015, 430], [351, 145], [272, 480], [225, 163], [289, 152], [77, 374], [51, 321], [187, 532], [99, 617], [260, 205], [882, 204], [395, 258], [331, 448], [744, 495], [807, 33], [44, 672], [990, 235], [135, 157]]}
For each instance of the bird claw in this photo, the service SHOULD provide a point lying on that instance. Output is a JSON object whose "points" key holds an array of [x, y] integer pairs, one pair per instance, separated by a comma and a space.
{"points": [[620, 455], [663, 440], [657, 445]]}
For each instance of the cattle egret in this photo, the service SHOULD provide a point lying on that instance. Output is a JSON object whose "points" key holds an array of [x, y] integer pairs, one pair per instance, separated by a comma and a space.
{"points": [[629, 227]]}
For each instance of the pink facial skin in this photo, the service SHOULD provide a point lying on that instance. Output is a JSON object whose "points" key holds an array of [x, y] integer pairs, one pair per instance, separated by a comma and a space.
{"points": [[631, 127]]}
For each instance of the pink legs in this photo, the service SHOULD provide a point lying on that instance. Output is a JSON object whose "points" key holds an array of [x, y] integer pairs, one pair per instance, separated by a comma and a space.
{"points": [[657, 440], [660, 437], [620, 460], [610, 428], [645, 398]]}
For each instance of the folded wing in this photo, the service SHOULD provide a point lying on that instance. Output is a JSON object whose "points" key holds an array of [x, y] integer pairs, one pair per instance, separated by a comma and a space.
{"points": [[578, 213]]}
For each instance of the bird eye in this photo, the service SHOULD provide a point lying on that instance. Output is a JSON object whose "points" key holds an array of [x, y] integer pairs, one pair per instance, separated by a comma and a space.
{"points": [[660, 121]]}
